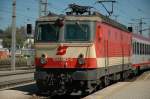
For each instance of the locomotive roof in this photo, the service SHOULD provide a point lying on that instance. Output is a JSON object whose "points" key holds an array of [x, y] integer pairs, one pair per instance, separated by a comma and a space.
{"points": [[94, 17]]}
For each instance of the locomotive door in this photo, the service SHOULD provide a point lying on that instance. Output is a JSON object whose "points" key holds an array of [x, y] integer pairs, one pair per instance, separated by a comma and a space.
{"points": [[103, 35], [104, 44], [106, 56], [122, 56]]}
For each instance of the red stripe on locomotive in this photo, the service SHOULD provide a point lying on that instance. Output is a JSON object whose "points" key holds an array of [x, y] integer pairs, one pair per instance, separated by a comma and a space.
{"points": [[69, 63]]}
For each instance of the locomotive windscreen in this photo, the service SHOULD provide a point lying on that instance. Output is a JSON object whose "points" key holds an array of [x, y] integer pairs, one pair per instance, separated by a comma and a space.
{"points": [[77, 32], [47, 32], [71, 31]]}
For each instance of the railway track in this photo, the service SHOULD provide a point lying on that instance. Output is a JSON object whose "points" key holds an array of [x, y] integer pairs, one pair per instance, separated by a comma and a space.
{"points": [[21, 67], [16, 79], [16, 73]]}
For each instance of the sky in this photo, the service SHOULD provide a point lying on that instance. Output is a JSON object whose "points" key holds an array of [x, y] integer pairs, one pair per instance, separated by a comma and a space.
{"points": [[27, 11]]}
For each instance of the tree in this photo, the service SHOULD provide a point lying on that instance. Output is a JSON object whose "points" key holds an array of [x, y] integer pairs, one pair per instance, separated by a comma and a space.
{"points": [[20, 37], [7, 38], [1, 31]]}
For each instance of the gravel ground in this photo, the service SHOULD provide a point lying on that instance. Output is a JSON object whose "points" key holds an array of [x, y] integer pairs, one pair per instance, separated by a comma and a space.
{"points": [[14, 94]]}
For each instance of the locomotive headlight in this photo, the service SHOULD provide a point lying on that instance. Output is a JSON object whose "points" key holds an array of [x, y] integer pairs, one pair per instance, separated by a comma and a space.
{"points": [[43, 59], [81, 59]]}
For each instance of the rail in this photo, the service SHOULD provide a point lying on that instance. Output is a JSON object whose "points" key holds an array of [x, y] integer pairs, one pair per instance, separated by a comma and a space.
{"points": [[15, 83], [16, 72], [17, 78]]}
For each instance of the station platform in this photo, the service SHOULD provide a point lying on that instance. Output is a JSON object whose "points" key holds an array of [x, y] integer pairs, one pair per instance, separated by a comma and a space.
{"points": [[137, 89]]}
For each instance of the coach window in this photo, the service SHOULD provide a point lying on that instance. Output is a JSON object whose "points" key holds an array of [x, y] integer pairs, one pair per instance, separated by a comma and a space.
{"points": [[140, 45], [133, 47], [143, 49], [137, 48], [140, 48], [148, 49]]}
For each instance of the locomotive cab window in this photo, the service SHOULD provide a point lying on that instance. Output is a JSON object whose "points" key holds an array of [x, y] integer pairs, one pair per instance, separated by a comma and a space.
{"points": [[75, 31], [47, 32]]}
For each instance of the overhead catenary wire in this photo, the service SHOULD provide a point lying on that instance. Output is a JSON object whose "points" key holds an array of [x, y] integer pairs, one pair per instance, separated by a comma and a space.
{"points": [[17, 12]]}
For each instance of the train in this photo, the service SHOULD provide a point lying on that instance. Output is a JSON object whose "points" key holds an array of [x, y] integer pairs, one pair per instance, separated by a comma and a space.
{"points": [[80, 52]]}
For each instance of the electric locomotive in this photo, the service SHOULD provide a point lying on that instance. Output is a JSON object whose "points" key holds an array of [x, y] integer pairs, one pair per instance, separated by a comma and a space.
{"points": [[80, 52]]}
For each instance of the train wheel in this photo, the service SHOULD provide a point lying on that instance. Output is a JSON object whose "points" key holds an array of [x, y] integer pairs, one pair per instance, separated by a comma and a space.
{"points": [[42, 85], [107, 80], [122, 76]]}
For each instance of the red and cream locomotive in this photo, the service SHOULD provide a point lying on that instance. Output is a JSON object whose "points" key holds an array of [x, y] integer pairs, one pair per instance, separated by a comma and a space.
{"points": [[82, 52]]}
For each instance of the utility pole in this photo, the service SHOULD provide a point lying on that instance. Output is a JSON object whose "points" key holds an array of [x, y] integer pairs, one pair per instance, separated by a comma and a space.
{"points": [[43, 8], [140, 25], [13, 45]]}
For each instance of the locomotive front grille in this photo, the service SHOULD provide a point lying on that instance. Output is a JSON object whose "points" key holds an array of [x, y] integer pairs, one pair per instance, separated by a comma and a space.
{"points": [[54, 81]]}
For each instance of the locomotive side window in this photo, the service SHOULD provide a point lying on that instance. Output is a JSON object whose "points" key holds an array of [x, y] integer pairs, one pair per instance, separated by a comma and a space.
{"points": [[77, 32], [47, 32]]}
